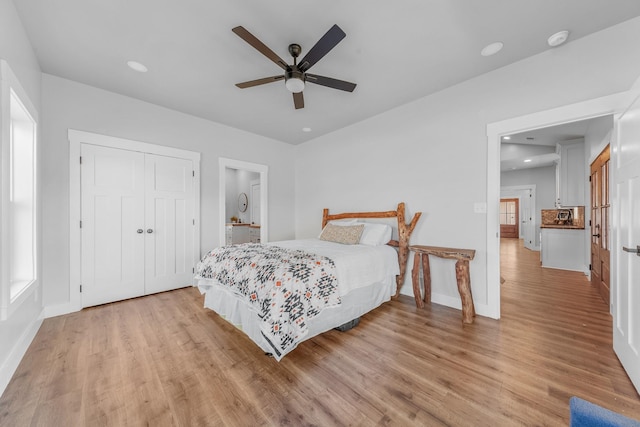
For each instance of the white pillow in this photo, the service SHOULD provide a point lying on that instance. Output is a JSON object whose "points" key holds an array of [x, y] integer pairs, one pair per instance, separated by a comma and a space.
{"points": [[375, 234]]}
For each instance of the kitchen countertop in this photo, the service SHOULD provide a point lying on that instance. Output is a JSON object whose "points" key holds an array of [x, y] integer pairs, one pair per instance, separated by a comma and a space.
{"points": [[562, 226]]}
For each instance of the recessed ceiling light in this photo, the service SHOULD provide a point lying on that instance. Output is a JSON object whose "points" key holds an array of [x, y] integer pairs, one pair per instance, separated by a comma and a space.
{"points": [[506, 137], [492, 49], [134, 65], [306, 129], [527, 160], [558, 38]]}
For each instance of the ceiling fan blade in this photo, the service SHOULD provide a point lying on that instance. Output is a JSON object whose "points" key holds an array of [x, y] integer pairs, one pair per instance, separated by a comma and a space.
{"points": [[261, 47], [329, 82], [322, 47], [298, 100], [259, 82]]}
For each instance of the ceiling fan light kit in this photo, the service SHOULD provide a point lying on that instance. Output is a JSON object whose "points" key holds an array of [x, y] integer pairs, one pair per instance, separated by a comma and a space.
{"points": [[295, 75], [294, 81]]}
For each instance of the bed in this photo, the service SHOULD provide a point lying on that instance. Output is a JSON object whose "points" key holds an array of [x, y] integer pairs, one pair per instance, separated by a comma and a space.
{"points": [[282, 293]]}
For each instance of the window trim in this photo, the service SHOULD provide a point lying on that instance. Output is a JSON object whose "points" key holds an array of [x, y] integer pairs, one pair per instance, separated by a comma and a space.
{"points": [[10, 84]]}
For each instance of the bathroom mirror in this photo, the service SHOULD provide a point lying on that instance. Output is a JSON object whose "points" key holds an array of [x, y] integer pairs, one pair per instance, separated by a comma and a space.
{"points": [[243, 201]]}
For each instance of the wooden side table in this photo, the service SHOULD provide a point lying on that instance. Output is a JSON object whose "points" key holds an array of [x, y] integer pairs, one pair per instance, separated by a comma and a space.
{"points": [[463, 256]]}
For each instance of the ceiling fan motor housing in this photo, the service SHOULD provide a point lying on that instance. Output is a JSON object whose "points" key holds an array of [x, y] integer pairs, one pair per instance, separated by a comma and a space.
{"points": [[295, 50]]}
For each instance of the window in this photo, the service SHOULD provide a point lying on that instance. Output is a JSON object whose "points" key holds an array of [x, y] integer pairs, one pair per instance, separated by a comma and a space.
{"points": [[19, 219], [508, 212]]}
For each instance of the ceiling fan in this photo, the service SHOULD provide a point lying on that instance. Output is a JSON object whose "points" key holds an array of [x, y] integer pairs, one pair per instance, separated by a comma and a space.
{"points": [[296, 75]]}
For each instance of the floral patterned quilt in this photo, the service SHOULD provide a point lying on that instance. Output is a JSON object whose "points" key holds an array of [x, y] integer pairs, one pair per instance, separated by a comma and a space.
{"points": [[285, 287]]}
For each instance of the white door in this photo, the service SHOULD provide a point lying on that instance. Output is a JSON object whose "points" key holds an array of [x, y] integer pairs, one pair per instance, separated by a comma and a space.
{"points": [[527, 206], [526, 213], [255, 202], [112, 222], [625, 262], [169, 223]]}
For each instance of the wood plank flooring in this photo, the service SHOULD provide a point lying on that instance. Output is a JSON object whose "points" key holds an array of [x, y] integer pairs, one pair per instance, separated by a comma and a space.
{"points": [[165, 360]]}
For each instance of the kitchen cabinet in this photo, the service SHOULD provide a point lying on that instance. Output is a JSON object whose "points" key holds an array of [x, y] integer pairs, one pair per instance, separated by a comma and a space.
{"points": [[570, 173], [563, 248]]}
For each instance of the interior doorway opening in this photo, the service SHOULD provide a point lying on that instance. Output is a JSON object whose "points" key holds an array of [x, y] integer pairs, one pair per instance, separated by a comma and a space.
{"points": [[234, 174], [599, 107]]}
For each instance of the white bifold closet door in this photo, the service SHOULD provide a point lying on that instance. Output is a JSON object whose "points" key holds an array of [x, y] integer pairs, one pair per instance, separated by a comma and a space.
{"points": [[137, 224]]}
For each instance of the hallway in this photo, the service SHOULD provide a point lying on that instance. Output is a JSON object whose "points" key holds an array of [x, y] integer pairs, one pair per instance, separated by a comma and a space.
{"points": [[566, 322]]}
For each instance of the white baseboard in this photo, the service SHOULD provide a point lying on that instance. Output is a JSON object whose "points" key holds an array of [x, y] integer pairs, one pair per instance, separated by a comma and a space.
{"points": [[454, 302], [59, 310], [18, 351]]}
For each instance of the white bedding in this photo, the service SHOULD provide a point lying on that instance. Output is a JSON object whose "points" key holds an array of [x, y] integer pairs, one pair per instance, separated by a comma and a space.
{"points": [[366, 278], [356, 265]]}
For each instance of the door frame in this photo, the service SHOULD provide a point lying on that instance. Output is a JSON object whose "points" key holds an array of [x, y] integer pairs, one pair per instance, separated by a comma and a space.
{"points": [[76, 138], [598, 107]]}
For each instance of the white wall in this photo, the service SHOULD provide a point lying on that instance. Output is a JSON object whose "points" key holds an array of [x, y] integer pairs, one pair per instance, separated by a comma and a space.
{"points": [[520, 151], [244, 186], [545, 181], [17, 332], [231, 192], [238, 181], [432, 153], [69, 105]]}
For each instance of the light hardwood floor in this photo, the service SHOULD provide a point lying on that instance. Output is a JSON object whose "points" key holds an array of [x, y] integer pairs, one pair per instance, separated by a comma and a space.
{"points": [[165, 360]]}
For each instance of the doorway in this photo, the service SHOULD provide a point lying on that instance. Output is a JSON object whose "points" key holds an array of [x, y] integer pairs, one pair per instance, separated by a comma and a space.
{"points": [[228, 191], [134, 218], [509, 218], [605, 106], [600, 224]]}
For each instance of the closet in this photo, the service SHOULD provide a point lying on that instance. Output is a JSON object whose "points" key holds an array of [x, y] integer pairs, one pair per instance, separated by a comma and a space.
{"points": [[137, 223]]}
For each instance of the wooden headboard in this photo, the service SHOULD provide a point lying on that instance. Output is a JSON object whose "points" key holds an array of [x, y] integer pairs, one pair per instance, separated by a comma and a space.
{"points": [[404, 233]]}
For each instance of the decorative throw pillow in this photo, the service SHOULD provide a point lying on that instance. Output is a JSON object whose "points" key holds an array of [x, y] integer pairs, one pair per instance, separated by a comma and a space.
{"points": [[345, 234], [341, 223]]}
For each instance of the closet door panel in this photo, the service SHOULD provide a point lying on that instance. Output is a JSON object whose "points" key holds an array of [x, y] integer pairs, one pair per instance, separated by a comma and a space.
{"points": [[112, 213], [169, 222]]}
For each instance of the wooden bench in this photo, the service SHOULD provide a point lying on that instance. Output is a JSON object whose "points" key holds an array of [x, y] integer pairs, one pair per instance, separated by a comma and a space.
{"points": [[421, 259]]}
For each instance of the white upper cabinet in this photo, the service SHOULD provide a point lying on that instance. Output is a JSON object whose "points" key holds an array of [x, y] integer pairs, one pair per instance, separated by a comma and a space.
{"points": [[570, 173]]}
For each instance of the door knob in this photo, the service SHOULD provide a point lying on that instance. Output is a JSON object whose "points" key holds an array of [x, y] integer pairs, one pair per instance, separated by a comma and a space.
{"points": [[149, 230], [596, 235], [631, 250], [139, 231]]}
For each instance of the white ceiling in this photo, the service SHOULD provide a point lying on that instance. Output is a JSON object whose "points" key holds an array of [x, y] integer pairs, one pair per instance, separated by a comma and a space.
{"points": [[536, 148], [395, 51]]}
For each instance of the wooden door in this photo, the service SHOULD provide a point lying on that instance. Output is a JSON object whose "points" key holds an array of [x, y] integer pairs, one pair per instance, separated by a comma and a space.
{"points": [[169, 223], [625, 297], [600, 224], [112, 224], [509, 218]]}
